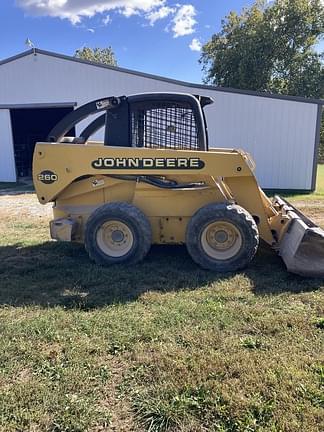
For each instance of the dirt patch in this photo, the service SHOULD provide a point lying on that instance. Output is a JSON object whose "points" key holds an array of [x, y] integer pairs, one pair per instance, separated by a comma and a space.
{"points": [[312, 209], [119, 405], [26, 206]]}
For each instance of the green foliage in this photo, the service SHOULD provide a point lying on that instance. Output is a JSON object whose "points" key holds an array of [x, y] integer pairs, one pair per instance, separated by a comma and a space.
{"points": [[319, 322], [269, 48], [97, 55], [321, 149], [251, 343]]}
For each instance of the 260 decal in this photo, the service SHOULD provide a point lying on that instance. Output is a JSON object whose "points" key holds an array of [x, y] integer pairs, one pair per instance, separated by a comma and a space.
{"points": [[47, 177]]}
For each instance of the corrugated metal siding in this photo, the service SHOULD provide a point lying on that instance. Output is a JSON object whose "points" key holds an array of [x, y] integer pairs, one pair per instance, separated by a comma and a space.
{"points": [[7, 160], [279, 134]]}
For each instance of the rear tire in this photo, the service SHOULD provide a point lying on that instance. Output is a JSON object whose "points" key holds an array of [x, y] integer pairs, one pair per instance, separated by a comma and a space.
{"points": [[222, 237], [116, 233]]}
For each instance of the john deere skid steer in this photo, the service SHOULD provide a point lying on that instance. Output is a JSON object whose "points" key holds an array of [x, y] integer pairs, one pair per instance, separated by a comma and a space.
{"points": [[154, 180]]}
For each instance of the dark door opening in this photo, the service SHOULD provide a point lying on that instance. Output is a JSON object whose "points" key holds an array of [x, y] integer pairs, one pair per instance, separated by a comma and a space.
{"points": [[30, 125]]}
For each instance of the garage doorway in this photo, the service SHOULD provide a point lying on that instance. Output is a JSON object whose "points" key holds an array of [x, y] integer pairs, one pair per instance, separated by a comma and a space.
{"points": [[30, 125]]}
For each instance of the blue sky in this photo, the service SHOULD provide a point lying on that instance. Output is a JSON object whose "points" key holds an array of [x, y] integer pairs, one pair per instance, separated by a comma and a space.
{"points": [[162, 37], [152, 36]]}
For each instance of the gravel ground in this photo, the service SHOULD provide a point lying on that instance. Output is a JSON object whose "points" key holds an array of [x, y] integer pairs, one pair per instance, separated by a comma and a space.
{"points": [[24, 205]]}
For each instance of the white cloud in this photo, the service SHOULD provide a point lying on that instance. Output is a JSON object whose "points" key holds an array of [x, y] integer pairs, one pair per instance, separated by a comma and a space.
{"points": [[107, 20], [158, 14], [195, 45], [75, 10], [182, 17], [184, 21], [129, 11]]}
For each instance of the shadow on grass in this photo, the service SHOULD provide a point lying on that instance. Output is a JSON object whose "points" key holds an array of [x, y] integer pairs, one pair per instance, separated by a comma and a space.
{"points": [[52, 274]]}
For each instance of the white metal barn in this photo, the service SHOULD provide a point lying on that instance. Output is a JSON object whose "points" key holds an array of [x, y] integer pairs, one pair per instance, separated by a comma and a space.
{"points": [[37, 88]]}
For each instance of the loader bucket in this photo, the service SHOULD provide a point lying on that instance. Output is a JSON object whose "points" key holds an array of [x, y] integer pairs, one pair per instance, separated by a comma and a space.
{"points": [[302, 247]]}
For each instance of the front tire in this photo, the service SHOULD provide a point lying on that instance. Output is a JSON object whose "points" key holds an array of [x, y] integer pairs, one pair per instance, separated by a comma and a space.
{"points": [[222, 237], [116, 233]]}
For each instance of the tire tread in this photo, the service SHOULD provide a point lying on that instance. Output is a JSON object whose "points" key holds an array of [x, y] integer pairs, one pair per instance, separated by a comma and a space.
{"points": [[232, 213], [131, 213]]}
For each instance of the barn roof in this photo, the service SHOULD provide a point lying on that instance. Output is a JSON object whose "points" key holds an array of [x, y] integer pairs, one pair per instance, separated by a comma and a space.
{"points": [[35, 51]]}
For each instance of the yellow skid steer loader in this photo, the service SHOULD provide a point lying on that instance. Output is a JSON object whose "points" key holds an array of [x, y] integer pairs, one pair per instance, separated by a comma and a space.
{"points": [[154, 180]]}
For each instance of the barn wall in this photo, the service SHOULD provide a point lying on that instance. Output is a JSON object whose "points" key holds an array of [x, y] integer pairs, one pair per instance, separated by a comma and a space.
{"points": [[279, 134], [7, 159]]}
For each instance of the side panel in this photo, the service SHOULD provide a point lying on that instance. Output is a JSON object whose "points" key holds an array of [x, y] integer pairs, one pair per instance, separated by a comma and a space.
{"points": [[57, 166], [279, 134], [7, 158]]}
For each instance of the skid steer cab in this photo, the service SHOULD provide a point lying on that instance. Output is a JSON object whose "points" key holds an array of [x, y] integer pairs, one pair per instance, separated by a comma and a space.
{"points": [[154, 180]]}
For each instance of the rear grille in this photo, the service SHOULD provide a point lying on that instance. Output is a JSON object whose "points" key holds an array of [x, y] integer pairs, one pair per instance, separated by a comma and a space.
{"points": [[169, 127]]}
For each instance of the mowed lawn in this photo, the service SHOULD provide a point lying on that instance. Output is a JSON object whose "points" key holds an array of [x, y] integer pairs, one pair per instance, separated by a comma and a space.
{"points": [[320, 181], [161, 346], [319, 193]]}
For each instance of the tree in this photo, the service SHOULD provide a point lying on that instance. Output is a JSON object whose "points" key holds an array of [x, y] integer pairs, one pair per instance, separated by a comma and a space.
{"points": [[321, 148], [270, 47], [98, 55]]}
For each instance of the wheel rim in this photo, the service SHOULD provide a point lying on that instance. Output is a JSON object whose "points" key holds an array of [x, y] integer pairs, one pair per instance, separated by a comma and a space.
{"points": [[221, 240], [115, 238]]}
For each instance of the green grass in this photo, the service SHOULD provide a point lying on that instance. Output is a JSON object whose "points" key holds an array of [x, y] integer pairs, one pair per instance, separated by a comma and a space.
{"points": [[22, 187], [11, 185], [320, 181], [160, 346], [319, 192]]}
